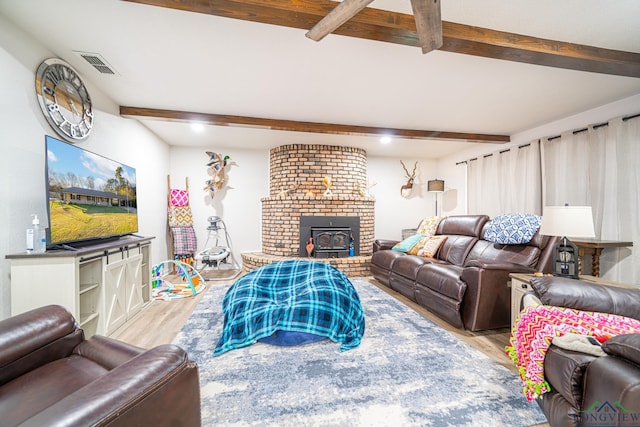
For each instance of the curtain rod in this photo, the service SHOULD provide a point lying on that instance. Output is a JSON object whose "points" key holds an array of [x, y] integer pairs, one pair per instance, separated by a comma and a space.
{"points": [[596, 126], [491, 154], [575, 132]]}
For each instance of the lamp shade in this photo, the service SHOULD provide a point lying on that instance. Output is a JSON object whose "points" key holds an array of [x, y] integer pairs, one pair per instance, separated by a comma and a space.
{"points": [[571, 221], [435, 185]]}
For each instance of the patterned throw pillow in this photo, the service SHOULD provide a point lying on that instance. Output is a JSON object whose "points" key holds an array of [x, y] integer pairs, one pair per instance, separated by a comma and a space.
{"points": [[408, 243], [429, 225], [414, 250], [431, 247], [512, 229]]}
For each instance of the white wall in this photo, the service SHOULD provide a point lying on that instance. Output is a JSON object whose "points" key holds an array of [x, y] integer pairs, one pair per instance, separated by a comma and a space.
{"points": [[238, 203], [22, 153], [392, 211], [455, 176]]}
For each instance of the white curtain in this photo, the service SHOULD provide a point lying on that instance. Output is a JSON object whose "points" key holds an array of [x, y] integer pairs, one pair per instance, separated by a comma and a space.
{"points": [[598, 167], [506, 182], [566, 170], [527, 184], [623, 265], [484, 184]]}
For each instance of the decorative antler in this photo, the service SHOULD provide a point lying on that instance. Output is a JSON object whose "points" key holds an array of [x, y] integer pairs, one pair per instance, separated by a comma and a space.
{"points": [[405, 190], [287, 191], [411, 175]]}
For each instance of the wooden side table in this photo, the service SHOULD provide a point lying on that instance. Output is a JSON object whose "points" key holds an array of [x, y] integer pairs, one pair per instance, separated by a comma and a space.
{"points": [[594, 248], [521, 284]]}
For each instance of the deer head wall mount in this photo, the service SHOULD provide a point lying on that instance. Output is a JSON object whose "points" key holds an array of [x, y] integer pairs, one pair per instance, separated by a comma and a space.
{"points": [[406, 189]]}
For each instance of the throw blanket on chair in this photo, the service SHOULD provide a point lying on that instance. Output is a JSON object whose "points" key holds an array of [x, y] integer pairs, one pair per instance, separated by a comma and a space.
{"points": [[537, 326], [297, 296]]}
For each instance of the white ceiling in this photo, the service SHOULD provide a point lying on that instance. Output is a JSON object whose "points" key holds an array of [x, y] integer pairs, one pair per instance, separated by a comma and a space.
{"points": [[169, 59]]}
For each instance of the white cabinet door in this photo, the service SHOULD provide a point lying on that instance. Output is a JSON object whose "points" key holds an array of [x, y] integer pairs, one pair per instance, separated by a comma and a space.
{"points": [[133, 275], [115, 295]]}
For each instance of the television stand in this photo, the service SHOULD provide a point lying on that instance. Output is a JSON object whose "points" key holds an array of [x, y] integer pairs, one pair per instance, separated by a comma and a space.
{"points": [[103, 284]]}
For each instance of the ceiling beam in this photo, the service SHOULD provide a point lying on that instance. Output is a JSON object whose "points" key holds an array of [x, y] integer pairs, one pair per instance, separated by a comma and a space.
{"points": [[428, 21], [338, 16], [399, 28], [297, 126]]}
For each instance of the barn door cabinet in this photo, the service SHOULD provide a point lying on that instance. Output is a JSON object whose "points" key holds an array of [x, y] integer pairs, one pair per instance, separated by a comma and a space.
{"points": [[102, 285]]}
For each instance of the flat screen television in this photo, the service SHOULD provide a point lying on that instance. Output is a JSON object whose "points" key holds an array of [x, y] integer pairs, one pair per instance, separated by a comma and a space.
{"points": [[91, 197]]}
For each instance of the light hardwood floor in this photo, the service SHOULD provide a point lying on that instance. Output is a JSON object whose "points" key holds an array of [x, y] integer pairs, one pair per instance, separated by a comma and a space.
{"points": [[159, 321]]}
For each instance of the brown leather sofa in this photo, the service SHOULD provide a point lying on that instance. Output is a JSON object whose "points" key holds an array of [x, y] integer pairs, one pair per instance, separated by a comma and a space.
{"points": [[465, 283], [51, 376], [589, 390]]}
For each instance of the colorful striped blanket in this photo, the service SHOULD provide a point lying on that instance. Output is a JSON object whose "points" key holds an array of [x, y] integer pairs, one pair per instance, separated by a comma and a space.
{"points": [[533, 332], [297, 296]]}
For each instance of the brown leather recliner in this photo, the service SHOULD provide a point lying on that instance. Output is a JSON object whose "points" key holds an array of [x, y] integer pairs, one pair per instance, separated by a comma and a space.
{"points": [[50, 375], [589, 390]]}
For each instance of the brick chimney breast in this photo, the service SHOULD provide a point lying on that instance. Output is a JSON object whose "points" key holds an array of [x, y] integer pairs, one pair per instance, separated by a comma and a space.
{"points": [[296, 189]]}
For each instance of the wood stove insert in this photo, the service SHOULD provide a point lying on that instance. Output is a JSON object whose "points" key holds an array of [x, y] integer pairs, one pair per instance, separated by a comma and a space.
{"points": [[332, 235]]}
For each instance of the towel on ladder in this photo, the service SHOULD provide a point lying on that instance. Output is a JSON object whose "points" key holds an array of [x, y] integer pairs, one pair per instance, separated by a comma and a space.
{"points": [[184, 240]]}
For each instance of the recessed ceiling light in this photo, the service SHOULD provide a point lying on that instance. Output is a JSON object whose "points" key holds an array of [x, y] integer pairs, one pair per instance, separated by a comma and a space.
{"points": [[197, 127], [385, 139]]}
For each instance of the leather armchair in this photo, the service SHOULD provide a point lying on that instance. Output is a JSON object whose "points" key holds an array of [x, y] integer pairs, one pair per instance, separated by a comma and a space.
{"points": [[589, 390], [50, 375]]}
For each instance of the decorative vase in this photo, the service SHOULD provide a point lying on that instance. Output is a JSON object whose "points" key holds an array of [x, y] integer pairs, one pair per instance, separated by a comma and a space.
{"points": [[310, 246]]}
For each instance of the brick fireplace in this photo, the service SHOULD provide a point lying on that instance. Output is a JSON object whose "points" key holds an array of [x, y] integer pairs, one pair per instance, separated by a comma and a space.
{"points": [[297, 192]]}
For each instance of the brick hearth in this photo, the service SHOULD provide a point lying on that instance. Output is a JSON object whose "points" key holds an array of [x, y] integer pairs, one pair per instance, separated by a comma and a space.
{"points": [[357, 266], [296, 189]]}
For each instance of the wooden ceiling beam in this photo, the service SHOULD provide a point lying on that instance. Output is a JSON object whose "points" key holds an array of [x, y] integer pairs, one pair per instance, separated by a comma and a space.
{"points": [[428, 21], [338, 16], [298, 126], [394, 27]]}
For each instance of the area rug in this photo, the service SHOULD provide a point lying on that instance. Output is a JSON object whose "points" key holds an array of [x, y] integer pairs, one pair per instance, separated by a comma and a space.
{"points": [[406, 372]]}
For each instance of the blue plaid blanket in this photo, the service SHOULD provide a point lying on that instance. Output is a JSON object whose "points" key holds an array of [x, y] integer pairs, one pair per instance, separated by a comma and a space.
{"points": [[298, 296]]}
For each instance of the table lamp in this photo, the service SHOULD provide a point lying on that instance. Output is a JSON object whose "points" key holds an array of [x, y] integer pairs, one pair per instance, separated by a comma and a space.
{"points": [[563, 221], [435, 186]]}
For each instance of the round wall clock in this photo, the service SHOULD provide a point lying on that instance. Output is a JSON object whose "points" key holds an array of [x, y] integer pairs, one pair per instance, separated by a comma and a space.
{"points": [[64, 100]]}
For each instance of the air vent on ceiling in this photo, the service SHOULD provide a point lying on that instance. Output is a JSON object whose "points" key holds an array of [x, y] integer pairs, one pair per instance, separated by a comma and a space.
{"points": [[98, 62]]}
